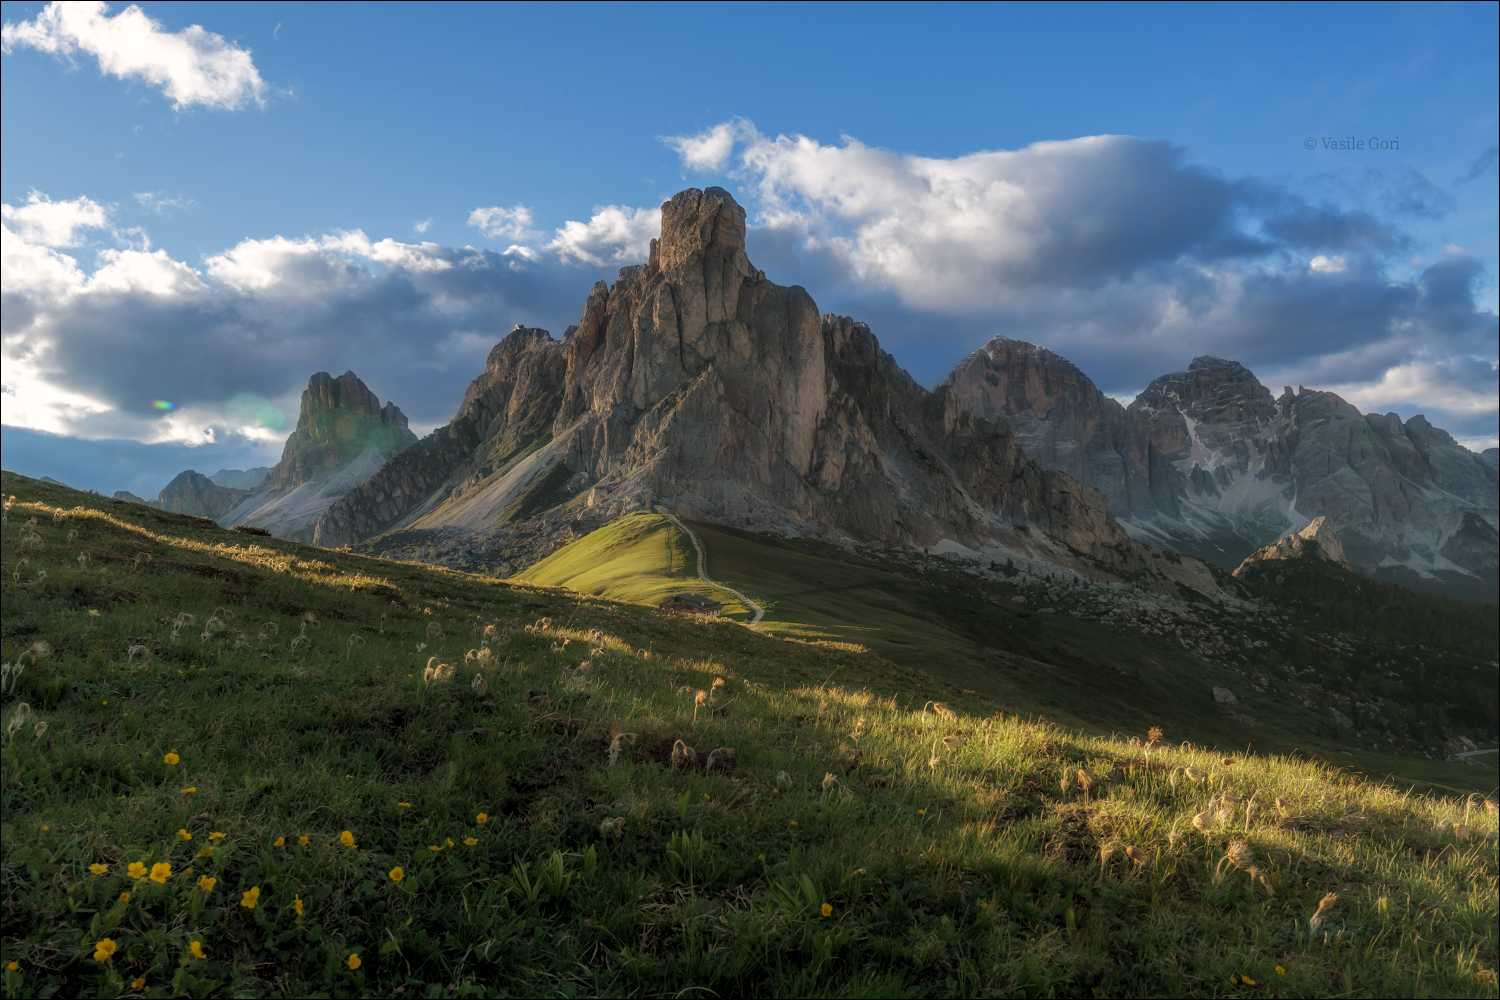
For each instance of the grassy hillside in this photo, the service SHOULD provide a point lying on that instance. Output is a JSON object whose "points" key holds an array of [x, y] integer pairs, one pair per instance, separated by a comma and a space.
{"points": [[639, 559], [310, 818], [971, 636]]}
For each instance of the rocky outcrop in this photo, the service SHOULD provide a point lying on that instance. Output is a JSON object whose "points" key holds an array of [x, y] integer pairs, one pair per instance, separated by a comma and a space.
{"points": [[340, 420], [1317, 540], [194, 493], [695, 383], [130, 497], [343, 436], [241, 479], [1209, 463]]}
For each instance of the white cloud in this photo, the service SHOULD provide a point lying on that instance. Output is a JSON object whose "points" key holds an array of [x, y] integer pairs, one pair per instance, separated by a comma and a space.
{"points": [[709, 150], [191, 66], [160, 203], [53, 223], [87, 348], [1328, 265], [36, 273], [613, 234], [422, 226], [35, 400], [1423, 382], [971, 232], [503, 223], [316, 266], [147, 273]]}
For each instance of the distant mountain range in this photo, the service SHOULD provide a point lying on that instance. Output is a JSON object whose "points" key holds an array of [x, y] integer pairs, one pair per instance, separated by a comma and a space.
{"points": [[1208, 463], [695, 384]]}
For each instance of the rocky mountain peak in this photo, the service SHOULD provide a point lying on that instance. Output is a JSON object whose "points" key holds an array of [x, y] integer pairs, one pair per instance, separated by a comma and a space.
{"points": [[1206, 462], [695, 384], [1317, 539], [700, 225], [339, 420]]}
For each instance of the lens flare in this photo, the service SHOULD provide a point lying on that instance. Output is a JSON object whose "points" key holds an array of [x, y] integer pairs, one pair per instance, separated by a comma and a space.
{"points": [[250, 410], [162, 404]]}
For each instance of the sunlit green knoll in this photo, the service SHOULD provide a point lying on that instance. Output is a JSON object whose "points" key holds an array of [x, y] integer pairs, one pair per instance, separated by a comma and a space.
{"points": [[639, 559], [969, 638]]}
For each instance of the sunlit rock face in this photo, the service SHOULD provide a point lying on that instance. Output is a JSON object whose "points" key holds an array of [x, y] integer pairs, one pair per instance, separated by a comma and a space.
{"points": [[1210, 463], [695, 383], [1316, 541]]}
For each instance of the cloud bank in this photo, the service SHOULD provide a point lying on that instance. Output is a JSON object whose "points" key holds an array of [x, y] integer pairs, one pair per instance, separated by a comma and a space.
{"points": [[1125, 257], [191, 67], [144, 347]]}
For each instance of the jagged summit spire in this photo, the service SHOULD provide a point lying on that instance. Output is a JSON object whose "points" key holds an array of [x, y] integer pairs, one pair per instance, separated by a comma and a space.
{"points": [[696, 224]]}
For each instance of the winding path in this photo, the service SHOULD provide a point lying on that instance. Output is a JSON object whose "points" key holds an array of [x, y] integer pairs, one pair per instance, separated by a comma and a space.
{"points": [[703, 574]]}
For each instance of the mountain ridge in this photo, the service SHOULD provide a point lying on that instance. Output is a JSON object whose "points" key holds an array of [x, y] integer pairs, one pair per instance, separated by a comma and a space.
{"points": [[1209, 463], [695, 382]]}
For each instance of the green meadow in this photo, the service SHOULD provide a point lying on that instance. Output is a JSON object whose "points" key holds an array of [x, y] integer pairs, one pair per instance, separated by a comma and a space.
{"points": [[946, 627], [239, 766]]}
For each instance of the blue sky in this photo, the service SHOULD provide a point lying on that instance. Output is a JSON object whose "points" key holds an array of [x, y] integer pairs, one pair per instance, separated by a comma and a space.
{"points": [[210, 215]]}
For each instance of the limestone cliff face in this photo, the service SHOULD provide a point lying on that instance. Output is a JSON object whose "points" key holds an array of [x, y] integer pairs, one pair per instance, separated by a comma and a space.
{"points": [[1317, 540], [1209, 463], [340, 420], [696, 383]]}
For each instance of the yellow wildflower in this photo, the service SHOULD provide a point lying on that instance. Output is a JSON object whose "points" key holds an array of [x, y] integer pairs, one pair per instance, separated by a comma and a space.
{"points": [[160, 872], [172, 759], [217, 836], [12, 966], [98, 869], [347, 839], [1247, 980], [104, 949], [302, 841], [827, 909], [921, 812], [250, 898], [450, 841], [433, 847], [136, 870], [139, 983], [197, 949], [397, 874], [124, 897], [280, 842], [482, 818], [183, 834], [403, 805], [794, 822], [1280, 971], [297, 904], [354, 961], [471, 841], [189, 791], [207, 883], [207, 852]]}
